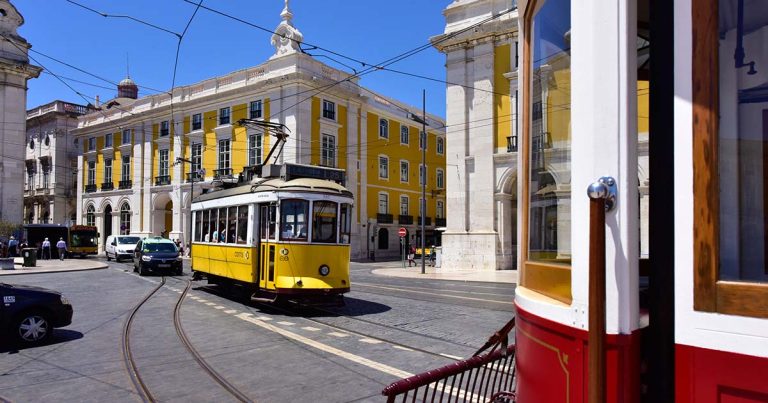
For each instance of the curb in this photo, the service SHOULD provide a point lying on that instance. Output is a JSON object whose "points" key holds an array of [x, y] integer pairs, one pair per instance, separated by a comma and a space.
{"points": [[24, 271]]}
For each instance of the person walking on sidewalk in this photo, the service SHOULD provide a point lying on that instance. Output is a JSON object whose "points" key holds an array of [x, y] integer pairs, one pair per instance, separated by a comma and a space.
{"points": [[46, 249], [62, 247], [13, 247], [411, 256]]}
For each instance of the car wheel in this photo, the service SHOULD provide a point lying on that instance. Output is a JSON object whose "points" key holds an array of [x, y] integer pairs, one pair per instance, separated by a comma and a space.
{"points": [[33, 327], [179, 271], [142, 271], [108, 258]]}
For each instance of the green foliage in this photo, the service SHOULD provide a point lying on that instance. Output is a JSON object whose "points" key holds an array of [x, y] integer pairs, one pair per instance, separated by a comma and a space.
{"points": [[8, 228]]}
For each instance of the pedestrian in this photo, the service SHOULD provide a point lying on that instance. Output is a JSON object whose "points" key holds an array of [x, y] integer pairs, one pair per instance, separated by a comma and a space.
{"points": [[23, 245], [62, 247], [46, 249], [411, 256], [13, 247]]}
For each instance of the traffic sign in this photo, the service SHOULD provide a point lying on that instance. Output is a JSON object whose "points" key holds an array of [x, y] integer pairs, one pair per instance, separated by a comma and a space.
{"points": [[402, 232]]}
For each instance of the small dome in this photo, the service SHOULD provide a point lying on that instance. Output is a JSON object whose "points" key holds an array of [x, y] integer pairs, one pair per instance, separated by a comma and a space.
{"points": [[127, 81], [127, 89]]}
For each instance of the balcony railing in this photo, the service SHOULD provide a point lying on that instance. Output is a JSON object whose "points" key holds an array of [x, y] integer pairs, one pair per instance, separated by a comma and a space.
{"points": [[194, 177], [511, 144], [384, 218], [440, 222], [427, 221], [222, 173], [125, 184], [162, 180], [405, 219], [90, 188], [107, 186]]}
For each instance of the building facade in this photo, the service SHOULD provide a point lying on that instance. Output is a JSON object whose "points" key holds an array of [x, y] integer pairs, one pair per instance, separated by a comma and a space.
{"points": [[141, 157], [483, 136], [15, 70], [50, 184]]}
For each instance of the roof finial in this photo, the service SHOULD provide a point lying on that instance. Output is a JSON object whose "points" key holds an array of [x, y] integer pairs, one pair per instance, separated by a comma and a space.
{"points": [[127, 66], [286, 14], [286, 39]]}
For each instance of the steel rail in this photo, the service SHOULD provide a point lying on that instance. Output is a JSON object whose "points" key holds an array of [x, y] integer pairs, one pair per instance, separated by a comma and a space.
{"points": [[234, 391], [130, 364]]}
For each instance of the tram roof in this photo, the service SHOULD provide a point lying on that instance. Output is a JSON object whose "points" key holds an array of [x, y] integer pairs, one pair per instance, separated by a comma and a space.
{"points": [[276, 184]]}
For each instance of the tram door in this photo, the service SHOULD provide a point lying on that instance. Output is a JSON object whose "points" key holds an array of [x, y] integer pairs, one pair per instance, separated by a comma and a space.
{"points": [[267, 246]]}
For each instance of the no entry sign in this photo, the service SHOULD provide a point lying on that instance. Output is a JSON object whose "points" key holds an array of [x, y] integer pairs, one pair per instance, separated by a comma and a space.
{"points": [[402, 232]]}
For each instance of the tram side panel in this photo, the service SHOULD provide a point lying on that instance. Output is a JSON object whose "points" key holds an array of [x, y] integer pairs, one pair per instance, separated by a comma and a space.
{"points": [[229, 261], [304, 262]]}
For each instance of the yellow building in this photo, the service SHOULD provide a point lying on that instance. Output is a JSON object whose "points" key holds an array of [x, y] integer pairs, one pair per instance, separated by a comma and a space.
{"points": [[133, 182]]}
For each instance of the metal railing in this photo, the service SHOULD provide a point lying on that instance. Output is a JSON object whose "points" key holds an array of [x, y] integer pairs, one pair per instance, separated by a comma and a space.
{"points": [[384, 218], [427, 221], [405, 219], [488, 377], [90, 188], [125, 184], [222, 173], [194, 176], [162, 180], [440, 222], [107, 186]]}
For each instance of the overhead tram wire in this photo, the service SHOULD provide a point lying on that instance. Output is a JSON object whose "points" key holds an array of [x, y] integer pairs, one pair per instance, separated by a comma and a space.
{"points": [[140, 21]]}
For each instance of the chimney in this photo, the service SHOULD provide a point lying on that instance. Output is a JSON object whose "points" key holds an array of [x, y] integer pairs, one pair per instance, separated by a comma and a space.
{"points": [[98, 104]]}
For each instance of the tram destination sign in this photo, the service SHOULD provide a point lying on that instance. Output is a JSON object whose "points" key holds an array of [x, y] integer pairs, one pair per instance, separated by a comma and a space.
{"points": [[292, 171]]}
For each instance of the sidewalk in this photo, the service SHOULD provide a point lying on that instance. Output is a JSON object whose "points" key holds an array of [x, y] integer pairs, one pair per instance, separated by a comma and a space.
{"points": [[395, 269], [54, 265]]}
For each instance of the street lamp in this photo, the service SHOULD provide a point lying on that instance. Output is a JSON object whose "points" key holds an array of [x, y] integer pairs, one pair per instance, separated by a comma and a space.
{"points": [[192, 177], [423, 170]]}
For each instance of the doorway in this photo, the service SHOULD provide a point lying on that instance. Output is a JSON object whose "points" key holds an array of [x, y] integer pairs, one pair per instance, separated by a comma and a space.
{"points": [[107, 223]]}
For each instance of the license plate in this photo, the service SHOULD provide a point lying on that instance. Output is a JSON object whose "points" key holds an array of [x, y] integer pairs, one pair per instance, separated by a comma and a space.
{"points": [[163, 266]]}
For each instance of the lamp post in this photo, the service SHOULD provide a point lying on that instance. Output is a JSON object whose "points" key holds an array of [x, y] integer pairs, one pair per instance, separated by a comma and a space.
{"points": [[423, 170]]}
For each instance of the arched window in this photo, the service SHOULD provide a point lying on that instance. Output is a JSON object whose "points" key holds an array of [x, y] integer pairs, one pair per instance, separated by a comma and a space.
{"points": [[383, 238], [90, 216], [125, 219], [384, 128]]}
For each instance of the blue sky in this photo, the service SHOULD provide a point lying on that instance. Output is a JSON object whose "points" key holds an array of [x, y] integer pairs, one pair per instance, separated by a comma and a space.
{"points": [[367, 30]]}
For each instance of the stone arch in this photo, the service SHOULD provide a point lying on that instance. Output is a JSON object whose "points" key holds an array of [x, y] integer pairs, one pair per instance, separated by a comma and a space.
{"points": [[106, 202], [125, 217], [506, 217], [162, 213], [383, 236]]}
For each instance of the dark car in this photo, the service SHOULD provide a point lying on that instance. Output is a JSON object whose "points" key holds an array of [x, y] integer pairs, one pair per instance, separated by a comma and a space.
{"points": [[156, 254], [29, 314]]}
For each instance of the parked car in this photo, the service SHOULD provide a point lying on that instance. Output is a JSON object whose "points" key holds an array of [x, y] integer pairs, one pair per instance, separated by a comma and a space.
{"points": [[157, 254], [29, 314], [120, 246]]}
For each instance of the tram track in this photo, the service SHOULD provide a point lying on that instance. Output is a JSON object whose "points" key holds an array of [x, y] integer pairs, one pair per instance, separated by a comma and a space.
{"points": [[144, 392]]}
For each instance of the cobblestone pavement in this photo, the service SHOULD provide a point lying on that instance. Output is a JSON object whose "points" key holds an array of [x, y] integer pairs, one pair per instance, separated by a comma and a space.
{"points": [[390, 327]]}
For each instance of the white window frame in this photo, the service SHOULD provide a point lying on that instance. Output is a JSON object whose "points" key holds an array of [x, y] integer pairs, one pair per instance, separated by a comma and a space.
{"points": [[91, 173], [127, 137], [225, 154], [328, 106], [405, 134], [440, 178], [328, 154], [255, 144], [440, 145], [383, 128], [422, 174], [108, 162], [260, 109], [385, 160], [404, 204], [125, 174], [91, 143], [196, 156], [407, 172], [162, 162], [192, 121], [165, 127], [108, 140], [385, 200], [222, 115], [439, 209], [422, 140]]}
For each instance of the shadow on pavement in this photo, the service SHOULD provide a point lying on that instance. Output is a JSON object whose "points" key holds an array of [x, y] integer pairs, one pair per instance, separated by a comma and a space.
{"points": [[59, 336]]}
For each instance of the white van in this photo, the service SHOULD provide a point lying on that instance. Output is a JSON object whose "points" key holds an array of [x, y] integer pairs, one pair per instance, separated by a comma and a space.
{"points": [[120, 246]]}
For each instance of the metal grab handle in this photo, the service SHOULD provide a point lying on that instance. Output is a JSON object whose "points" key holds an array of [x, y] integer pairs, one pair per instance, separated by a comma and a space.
{"points": [[602, 198]]}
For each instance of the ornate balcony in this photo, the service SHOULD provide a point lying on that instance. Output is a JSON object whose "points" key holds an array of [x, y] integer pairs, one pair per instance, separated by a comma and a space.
{"points": [[107, 186], [125, 184], [440, 222], [405, 219], [90, 188], [384, 218], [427, 221], [162, 180]]}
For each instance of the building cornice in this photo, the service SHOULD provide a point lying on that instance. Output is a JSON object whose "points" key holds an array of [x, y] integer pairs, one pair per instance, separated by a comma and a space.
{"points": [[490, 32]]}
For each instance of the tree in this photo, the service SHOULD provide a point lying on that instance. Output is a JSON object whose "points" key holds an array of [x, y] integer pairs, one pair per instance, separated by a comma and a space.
{"points": [[8, 228]]}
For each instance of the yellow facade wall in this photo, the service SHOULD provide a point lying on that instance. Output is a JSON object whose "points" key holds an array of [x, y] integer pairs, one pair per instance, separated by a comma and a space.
{"points": [[239, 145], [155, 152], [116, 161], [559, 106], [501, 97], [643, 102], [210, 159]]}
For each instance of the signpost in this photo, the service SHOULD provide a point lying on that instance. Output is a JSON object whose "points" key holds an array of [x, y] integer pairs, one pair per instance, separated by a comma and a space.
{"points": [[402, 232]]}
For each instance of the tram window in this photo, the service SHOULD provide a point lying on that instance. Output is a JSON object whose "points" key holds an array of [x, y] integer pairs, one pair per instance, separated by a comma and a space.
{"points": [[324, 222], [211, 226], [242, 224], [293, 219], [230, 231], [221, 228], [198, 225], [345, 223]]}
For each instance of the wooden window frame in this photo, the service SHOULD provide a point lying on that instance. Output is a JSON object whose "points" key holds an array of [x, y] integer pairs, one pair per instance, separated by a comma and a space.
{"points": [[710, 293], [552, 280]]}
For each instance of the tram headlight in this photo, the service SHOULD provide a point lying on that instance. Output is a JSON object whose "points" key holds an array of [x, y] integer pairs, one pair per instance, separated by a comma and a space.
{"points": [[324, 270]]}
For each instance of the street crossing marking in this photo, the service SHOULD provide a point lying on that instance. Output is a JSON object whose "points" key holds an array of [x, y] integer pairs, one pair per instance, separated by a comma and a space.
{"points": [[230, 311], [219, 307], [286, 323], [370, 341], [453, 357], [337, 334], [310, 328], [402, 348]]}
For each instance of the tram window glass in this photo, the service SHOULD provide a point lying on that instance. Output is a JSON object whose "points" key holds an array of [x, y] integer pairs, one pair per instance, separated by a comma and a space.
{"points": [[230, 232], [221, 227], [204, 230], [324, 222], [212, 216], [293, 219], [743, 142], [198, 225], [345, 223], [242, 224]]}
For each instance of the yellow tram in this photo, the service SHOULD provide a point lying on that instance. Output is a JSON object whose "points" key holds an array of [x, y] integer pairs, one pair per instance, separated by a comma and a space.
{"points": [[282, 236]]}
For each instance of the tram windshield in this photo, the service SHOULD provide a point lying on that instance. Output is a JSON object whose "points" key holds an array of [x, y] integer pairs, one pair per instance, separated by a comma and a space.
{"points": [[293, 220], [324, 222]]}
